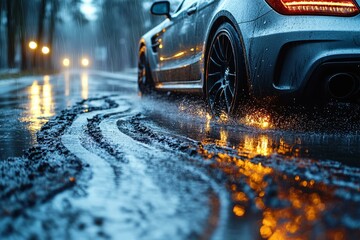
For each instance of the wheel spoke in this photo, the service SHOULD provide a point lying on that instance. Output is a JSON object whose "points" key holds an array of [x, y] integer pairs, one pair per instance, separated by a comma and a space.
{"points": [[231, 57], [220, 48], [217, 95], [227, 100], [231, 91], [226, 52], [216, 83], [213, 74], [219, 92], [217, 54], [216, 63]]}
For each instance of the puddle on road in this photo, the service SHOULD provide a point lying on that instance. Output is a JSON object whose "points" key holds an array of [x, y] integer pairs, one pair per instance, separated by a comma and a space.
{"points": [[286, 184], [292, 204], [26, 109], [320, 137], [292, 182], [41, 106]]}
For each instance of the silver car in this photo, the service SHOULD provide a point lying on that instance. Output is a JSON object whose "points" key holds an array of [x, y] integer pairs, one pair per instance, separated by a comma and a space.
{"points": [[234, 50]]}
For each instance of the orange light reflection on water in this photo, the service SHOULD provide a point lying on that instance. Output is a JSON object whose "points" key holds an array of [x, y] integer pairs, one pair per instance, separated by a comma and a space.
{"points": [[265, 145], [40, 106], [253, 146], [258, 120], [306, 199], [223, 141]]}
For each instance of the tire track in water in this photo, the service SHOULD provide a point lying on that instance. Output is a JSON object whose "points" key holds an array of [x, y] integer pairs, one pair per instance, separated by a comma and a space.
{"points": [[320, 194], [147, 198], [101, 199], [54, 174], [147, 182], [169, 166]]}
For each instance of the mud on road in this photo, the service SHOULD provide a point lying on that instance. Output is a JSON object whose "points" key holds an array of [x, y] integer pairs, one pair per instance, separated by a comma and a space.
{"points": [[88, 179], [116, 168]]}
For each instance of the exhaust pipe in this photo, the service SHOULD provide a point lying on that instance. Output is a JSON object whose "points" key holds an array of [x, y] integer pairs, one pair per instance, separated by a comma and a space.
{"points": [[342, 85]]}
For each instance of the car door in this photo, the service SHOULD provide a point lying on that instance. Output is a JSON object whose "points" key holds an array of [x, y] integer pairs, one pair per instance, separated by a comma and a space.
{"points": [[204, 12], [176, 44]]}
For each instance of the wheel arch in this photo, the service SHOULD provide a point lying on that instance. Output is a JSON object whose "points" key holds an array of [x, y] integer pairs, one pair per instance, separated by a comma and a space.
{"points": [[219, 19]]}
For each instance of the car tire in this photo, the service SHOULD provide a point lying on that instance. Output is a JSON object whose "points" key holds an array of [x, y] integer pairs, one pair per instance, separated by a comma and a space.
{"points": [[225, 72], [145, 82]]}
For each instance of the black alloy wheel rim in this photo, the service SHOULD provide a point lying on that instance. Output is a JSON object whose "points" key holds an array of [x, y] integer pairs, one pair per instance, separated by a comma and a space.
{"points": [[221, 75]]}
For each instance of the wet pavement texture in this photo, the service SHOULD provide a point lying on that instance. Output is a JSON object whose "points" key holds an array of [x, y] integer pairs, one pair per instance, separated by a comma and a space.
{"points": [[84, 156]]}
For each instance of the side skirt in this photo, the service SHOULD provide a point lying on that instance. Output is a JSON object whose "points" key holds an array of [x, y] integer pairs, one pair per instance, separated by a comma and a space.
{"points": [[191, 86]]}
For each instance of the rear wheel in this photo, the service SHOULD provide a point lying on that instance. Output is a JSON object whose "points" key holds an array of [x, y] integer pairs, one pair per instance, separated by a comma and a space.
{"points": [[225, 72], [145, 83]]}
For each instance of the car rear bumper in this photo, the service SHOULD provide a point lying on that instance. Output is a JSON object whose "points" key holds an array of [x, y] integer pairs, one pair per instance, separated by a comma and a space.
{"points": [[288, 55]]}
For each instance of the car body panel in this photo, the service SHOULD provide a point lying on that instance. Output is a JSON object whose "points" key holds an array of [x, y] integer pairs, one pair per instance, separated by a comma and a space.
{"points": [[280, 43], [185, 63], [281, 52], [173, 39]]}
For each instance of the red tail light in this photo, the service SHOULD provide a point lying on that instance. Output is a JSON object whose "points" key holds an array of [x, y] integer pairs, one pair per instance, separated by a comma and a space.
{"points": [[315, 7]]}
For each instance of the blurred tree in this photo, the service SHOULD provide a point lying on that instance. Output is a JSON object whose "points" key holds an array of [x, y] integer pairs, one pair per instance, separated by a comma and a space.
{"points": [[135, 15], [77, 14], [22, 17], [112, 33], [37, 57], [2, 6], [55, 5], [11, 32], [16, 13], [120, 26], [22, 6], [48, 17]]}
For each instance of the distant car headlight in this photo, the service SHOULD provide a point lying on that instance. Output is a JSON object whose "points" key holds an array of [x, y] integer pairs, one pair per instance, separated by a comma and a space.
{"points": [[32, 45], [85, 62], [66, 62], [45, 50]]}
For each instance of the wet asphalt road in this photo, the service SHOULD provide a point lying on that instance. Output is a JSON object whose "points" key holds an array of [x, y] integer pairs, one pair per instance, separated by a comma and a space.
{"points": [[84, 156]]}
